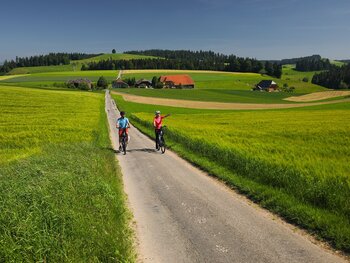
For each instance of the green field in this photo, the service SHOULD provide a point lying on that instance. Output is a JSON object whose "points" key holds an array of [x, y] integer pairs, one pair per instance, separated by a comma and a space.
{"points": [[226, 87], [210, 86], [75, 65], [62, 196], [292, 161], [241, 81]]}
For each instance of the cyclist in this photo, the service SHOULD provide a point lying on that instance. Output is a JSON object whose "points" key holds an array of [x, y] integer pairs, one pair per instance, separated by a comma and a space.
{"points": [[157, 123], [123, 125]]}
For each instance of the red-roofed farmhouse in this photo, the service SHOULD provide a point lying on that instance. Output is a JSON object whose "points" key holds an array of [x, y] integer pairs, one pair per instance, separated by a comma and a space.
{"points": [[177, 81]]}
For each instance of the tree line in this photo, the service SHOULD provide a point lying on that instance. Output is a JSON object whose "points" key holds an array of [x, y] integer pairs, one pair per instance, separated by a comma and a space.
{"points": [[335, 78], [52, 59], [313, 63], [189, 60]]}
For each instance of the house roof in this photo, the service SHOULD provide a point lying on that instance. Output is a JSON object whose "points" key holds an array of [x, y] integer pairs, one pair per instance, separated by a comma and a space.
{"points": [[140, 81], [120, 81], [266, 84], [177, 79]]}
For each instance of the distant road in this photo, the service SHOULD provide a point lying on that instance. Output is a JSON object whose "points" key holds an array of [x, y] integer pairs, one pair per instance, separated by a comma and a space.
{"points": [[183, 215]]}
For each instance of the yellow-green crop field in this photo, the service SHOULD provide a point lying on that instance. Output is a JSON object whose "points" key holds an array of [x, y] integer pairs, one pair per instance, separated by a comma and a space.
{"points": [[31, 118], [61, 197], [296, 162]]}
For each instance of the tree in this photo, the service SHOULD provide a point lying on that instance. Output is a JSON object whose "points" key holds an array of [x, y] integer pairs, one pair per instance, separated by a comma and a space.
{"points": [[154, 81], [114, 51], [102, 83], [277, 70]]}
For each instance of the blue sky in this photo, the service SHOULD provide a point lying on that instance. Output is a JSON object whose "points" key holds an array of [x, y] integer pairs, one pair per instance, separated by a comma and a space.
{"points": [[263, 29]]}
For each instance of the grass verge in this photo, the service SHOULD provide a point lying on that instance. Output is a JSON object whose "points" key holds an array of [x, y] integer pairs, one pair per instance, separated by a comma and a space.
{"points": [[314, 202], [64, 203]]}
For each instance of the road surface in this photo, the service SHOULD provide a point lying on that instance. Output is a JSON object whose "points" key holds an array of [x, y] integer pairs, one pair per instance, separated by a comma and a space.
{"points": [[183, 215]]}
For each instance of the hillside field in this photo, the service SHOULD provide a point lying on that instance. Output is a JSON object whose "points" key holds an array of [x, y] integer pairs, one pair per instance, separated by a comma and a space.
{"points": [[210, 86], [75, 65], [293, 161], [61, 197]]}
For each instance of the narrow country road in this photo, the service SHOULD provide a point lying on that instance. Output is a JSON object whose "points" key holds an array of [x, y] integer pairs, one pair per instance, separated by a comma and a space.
{"points": [[183, 215]]}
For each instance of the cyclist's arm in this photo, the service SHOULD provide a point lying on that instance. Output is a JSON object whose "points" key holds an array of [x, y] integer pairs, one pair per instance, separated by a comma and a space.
{"points": [[166, 115]]}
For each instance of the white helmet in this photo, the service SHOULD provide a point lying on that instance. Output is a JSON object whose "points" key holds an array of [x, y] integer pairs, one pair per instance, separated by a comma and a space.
{"points": [[157, 112]]}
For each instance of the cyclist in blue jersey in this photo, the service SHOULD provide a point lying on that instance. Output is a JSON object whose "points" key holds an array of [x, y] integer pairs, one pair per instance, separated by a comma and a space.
{"points": [[123, 125]]}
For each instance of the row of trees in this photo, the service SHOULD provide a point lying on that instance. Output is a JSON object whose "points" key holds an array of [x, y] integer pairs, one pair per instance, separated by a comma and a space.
{"points": [[296, 60], [86, 84], [232, 64], [335, 78], [209, 60], [51, 59], [313, 63]]}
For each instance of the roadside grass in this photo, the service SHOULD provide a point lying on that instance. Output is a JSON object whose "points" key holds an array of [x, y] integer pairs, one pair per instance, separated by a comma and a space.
{"points": [[292, 161], [62, 197]]}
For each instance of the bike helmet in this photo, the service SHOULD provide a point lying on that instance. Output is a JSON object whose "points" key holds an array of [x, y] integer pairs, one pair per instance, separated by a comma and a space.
{"points": [[157, 112]]}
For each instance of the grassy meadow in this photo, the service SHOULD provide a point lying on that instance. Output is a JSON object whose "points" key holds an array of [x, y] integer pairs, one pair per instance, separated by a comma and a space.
{"points": [[75, 65], [227, 87], [62, 197], [292, 161], [210, 86]]}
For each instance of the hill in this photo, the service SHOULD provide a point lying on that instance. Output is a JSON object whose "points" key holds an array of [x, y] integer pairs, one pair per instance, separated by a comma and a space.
{"points": [[75, 65]]}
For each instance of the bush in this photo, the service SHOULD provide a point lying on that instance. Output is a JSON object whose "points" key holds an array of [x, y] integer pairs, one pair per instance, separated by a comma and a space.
{"points": [[159, 85], [102, 83], [306, 79], [83, 84]]}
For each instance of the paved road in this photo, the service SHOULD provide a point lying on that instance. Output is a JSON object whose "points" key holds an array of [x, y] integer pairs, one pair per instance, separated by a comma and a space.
{"points": [[182, 215]]}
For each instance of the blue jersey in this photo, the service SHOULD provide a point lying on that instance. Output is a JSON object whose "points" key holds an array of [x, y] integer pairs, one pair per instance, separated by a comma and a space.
{"points": [[123, 123]]}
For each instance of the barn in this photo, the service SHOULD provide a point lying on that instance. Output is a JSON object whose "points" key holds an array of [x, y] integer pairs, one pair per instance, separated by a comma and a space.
{"points": [[143, 83], [177, 81], [118, 83], [266, 85]]}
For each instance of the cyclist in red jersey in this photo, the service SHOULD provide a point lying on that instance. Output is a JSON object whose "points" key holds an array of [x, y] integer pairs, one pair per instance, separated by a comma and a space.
{"points": [[157, 123]]}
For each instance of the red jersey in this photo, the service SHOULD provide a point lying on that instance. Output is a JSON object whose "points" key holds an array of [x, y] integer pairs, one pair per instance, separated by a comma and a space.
{"points": [[157, 122]]}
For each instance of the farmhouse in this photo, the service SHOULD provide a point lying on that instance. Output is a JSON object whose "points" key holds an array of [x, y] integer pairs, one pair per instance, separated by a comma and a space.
{"points": [[266, 85], [177, 81], [118, 83], [143, 83]]}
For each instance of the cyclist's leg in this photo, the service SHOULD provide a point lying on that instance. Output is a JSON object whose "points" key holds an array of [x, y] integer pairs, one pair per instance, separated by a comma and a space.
{"points": [[157, 137], [120, 139]]}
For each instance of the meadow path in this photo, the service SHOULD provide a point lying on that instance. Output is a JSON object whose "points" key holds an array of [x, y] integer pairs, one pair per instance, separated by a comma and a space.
{"points": [[183, 215]]}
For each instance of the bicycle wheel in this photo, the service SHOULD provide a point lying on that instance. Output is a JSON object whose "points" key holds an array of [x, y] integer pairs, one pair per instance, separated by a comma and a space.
{"points": [[162, 144]]}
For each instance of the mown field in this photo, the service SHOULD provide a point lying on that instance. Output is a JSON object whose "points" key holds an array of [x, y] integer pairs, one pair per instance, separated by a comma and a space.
{"points": [[61, 197], [294, 162]]}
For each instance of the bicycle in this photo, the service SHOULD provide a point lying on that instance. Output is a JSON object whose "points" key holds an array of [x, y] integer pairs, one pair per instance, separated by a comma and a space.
{"points": [[161, 140], [124, 141]]}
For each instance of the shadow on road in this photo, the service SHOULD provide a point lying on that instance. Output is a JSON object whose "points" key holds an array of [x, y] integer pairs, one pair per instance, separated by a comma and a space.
{"points": [[147, 150]]}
